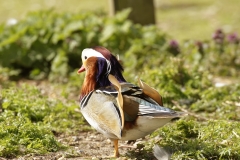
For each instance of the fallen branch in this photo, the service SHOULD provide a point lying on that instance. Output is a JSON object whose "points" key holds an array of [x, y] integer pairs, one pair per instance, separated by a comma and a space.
{"points": [[190, 113]]}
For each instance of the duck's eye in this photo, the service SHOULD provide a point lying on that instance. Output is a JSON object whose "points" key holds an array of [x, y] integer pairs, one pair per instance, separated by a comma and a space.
{"points": [[85, 57]]}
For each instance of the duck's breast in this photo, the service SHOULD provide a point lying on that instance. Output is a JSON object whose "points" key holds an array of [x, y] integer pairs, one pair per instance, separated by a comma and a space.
{"points": [[102, 114]]}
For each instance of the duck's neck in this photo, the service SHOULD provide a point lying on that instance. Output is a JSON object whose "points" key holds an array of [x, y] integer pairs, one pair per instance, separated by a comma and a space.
{"points": [[91, 83], [97, 77]]}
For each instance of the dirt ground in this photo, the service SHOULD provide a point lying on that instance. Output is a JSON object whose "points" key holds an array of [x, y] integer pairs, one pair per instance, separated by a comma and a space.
{"points": [[93, 145]]}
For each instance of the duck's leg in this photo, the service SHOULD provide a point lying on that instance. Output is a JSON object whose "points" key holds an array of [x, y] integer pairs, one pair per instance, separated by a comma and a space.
{"points": [[116, 153]]}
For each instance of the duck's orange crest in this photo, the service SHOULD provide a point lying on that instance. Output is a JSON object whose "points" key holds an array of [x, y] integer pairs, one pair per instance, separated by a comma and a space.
{"points": [[89, 83]]}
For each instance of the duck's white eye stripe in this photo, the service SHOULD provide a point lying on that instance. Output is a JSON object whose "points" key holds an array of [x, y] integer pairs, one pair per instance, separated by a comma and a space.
{"points": [[108, 67], [89, 52]]}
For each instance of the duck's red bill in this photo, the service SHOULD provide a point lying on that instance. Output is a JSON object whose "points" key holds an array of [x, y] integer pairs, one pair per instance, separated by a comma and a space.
{"points": [[82, 69]]}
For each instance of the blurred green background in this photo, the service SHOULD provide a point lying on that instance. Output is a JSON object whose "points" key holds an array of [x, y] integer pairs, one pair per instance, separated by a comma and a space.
{"points": [[185, 19]]}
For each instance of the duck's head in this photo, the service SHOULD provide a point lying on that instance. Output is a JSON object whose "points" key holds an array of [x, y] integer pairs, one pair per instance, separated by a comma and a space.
{"points": [[98, 62]]}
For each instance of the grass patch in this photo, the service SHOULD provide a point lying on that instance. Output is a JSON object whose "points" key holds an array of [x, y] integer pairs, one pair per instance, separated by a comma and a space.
{"points": [[29, 120], [194, 140], [19, 136]]}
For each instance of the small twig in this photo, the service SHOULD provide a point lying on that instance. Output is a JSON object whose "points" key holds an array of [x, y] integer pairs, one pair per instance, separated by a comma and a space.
{"points": [[127, 146], [235, 134], [188, 112]]}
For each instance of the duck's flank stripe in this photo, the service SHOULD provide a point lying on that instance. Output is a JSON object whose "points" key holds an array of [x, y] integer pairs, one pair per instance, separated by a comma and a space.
{"points": [[85, 99]]}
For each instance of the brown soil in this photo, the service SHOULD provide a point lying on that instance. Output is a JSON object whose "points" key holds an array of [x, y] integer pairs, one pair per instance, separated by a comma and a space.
{"points": [[92, 145]]}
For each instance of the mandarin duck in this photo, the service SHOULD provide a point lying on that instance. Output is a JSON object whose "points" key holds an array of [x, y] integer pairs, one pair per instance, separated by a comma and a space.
{"points": [[118, 109]]}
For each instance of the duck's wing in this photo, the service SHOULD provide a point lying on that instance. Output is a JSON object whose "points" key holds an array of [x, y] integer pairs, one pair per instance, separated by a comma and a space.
{"points": [[137, 103], [151, 92]]}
